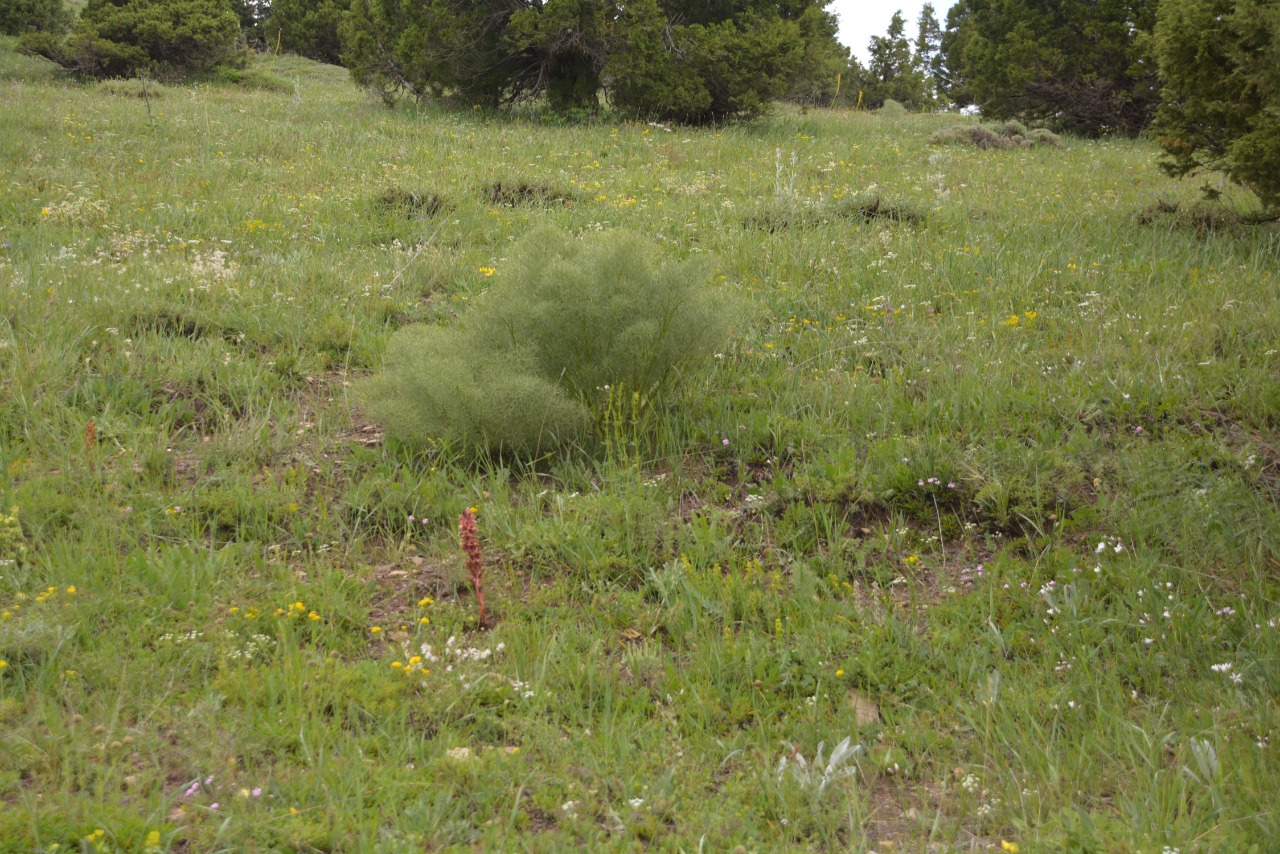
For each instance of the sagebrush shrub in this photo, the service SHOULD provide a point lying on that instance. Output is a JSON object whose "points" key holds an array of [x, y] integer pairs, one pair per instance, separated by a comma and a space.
{"points": [[1010, 135], [531, 365]]}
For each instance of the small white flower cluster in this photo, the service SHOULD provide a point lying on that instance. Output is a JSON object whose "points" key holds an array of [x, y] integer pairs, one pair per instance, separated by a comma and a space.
{"points": [[1112, 543], [258, 644], [213, 266], [1227, 670], [457, 656], [184, 637], [1058, 597]]}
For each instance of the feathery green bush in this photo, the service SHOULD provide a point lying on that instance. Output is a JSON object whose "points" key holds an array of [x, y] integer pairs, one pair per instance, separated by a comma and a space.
{"points": [[531, 365]]}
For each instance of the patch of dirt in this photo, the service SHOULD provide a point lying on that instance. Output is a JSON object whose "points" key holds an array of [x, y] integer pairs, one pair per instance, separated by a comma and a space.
{"points": [[903, 818], [402, 584], [540, 821]]}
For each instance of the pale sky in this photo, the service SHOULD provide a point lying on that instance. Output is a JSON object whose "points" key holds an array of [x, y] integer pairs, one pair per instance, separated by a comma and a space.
{"points": [[862, 19]]}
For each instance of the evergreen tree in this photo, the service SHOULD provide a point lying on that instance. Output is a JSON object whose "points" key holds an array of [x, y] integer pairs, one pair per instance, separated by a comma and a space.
{"points": [[306, 27], [893, 72], [34, 16], [568, 41], [928, 40], [820, 77], [948, 74], [460, 51], [171, 39], [1080, 65], [252, 15], [1220, 63], [675, 59]]}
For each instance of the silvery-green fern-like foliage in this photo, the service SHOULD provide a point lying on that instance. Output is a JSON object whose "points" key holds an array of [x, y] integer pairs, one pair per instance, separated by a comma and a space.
{"points": [[529, 366], [820, 773]]}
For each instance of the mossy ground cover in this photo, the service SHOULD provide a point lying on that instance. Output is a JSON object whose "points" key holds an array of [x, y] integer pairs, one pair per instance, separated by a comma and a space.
{"points": [[989, 486]]}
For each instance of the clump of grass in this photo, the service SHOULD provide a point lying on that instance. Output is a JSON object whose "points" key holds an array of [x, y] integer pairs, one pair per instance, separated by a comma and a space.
{"points": [[535, 362], [784, 216], [876, 208], [1043, 136], [253, 78], [174, 323], [892, 109], [514, 194], [410, 203], [1203, 219], [781, 215], [133, 88], [1011, 134]]}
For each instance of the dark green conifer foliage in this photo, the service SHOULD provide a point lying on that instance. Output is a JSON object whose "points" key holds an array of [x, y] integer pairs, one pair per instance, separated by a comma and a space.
{"points": [[34, 16], [1220, 64], [668, 59], [947, 67], [1082, 66], [170, 39], [893, 72], [306, 27]]}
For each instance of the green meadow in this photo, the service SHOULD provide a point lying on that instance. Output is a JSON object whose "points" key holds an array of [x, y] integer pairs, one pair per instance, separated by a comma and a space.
{"points": [[984, 480]]}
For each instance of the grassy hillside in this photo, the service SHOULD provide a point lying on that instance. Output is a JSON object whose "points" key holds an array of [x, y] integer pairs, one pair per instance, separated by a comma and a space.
{"points": [[986, 481]]}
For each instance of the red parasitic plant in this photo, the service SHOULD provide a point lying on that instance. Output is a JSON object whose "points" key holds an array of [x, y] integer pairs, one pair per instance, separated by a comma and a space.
{"points": [[470, 538]]}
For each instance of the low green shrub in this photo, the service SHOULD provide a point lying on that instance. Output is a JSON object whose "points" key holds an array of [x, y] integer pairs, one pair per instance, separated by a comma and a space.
{"points": [[170, 39], [35, 16], [1010, 135], [891, 108], [566, 325]]}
